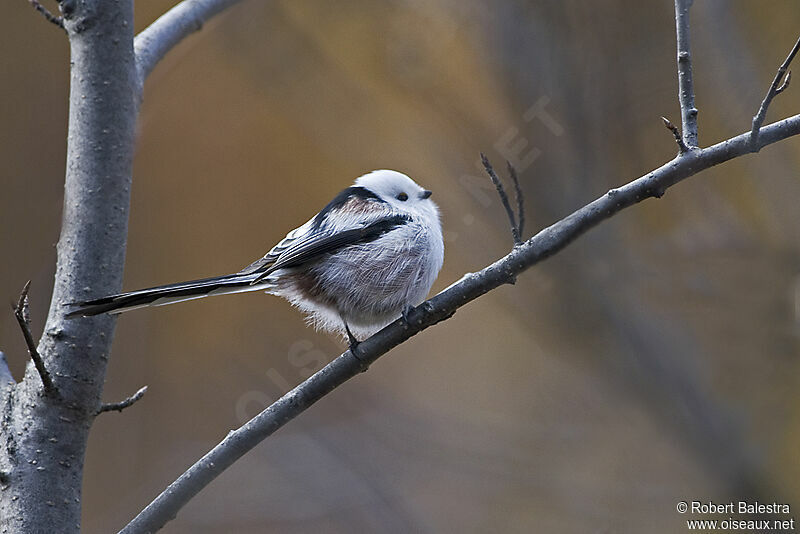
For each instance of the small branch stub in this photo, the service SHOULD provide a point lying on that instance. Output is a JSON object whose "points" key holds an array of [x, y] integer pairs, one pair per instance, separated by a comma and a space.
{"points": [[22, 314], [678, 138], [774, 90], [512, 219], [57, 20], [119, 406]]}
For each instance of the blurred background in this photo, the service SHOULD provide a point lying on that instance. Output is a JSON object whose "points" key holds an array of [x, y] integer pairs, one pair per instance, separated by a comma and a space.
{"points": [[653, 361]]}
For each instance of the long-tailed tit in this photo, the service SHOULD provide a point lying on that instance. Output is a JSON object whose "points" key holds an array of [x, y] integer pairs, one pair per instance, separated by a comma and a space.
{"points": [[369, 255]]}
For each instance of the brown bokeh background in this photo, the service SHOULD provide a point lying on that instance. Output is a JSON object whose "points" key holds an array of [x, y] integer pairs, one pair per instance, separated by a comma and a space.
{"points": [[653, 361]]}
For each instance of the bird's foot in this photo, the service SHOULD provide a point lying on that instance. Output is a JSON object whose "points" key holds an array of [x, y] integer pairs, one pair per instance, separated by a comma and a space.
{"points": [[407, 314], [353, 342]]}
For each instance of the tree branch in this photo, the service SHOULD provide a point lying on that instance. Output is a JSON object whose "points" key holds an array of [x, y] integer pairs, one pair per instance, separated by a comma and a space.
{"points": [[442, 306], [775, 89], [23, 318], [187, 17], [685, 83], [121, 405], [57, 20], [501, 192]]}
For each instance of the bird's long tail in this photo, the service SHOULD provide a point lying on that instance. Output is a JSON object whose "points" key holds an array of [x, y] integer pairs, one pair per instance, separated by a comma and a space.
{"points": [[169, 294]]}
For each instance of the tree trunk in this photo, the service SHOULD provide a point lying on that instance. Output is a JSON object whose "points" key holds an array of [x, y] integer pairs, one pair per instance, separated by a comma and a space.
{"points": [[44, 435]]}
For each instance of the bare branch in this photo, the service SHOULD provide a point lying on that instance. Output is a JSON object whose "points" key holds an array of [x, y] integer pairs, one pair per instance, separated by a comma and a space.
{"points": [[22, 314], [121, 405], [442, 306], [57, 20], [678, 139], [775, 89], [153, 43], [685, 83], [503, 198], [519, 197]]}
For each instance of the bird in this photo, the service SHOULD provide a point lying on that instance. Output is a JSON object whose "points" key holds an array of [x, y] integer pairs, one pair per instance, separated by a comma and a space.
{"points": [[364, 260]]}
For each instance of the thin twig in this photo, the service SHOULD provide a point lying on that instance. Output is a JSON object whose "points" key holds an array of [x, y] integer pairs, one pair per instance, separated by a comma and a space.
{"points": [[442, 306], [57, 20], [22, 314], [678, 139], [775, 89], [685, 84], [519, 197], [503, 198], [121, 405]]}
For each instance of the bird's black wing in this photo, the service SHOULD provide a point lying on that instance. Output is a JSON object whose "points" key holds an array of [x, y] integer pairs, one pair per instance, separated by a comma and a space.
{"points": [[316, 244], [355, 203]]}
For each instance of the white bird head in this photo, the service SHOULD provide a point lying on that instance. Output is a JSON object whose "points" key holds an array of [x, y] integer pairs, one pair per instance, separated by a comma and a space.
{"points": [[400, 191]]}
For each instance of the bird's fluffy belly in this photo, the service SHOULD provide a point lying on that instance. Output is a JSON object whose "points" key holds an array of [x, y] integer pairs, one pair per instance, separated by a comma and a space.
{"points": [[366, 285]]}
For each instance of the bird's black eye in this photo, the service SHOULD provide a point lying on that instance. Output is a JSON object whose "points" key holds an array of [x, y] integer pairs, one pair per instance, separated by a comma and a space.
{"points": [[402, 196]]}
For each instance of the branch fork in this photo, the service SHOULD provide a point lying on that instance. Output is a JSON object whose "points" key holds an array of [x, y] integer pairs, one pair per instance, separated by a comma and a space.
{"points": [[774, 90], [687, 141]]}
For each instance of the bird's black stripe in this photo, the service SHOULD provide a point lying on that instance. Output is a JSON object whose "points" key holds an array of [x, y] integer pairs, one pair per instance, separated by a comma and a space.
{"points": [[292, 257], [383, 226], [341, 199], [147, 296]]}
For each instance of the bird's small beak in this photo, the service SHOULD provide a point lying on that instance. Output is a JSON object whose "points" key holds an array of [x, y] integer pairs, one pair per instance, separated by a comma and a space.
{"points": [[425, 194]]}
